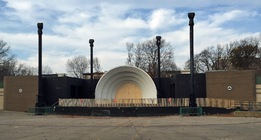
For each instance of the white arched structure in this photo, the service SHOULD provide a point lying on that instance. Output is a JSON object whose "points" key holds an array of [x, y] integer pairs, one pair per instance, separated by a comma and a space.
{"points": [[119, 76]]}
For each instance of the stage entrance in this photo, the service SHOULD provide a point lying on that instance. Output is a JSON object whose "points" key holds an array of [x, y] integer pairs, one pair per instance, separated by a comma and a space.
{"points": [[128, 91]]}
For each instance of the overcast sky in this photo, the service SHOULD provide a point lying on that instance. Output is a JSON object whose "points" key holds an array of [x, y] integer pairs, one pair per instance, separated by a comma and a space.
{"points": [[69, 24]]}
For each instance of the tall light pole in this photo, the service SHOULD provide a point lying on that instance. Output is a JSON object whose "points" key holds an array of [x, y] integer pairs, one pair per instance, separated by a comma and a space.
{"points": [[91, 41], [40, 99], [192, 98], [158, 42]]}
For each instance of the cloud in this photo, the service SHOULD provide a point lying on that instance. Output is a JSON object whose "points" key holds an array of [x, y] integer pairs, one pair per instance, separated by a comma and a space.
{"points": [[68, 26], [220, 18], [164, 19], [208, 32]]}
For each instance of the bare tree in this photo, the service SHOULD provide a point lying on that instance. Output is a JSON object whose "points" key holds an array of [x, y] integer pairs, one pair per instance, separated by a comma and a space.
{"points": [[246, 55], [24, 70], [198, 66], [243, 54], [77, 66], [97, 65], [13, 68], [4, 51], [7, 61], [47, 70], [211, 58], [9, 66], [144, 55]]}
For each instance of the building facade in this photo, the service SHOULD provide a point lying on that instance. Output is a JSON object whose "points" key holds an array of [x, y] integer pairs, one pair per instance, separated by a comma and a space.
{"points": [[20, 92]]}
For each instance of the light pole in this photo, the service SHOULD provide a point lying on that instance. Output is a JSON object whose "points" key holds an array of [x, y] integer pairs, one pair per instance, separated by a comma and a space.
{"points": [[158, 42], [40, 99], [91, 41], [192, 98]]}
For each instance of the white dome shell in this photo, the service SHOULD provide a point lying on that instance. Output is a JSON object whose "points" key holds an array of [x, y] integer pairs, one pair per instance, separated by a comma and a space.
{"points": [[110, 81]]}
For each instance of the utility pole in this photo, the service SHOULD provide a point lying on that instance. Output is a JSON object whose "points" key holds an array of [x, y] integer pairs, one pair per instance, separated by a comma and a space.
{"points": [[40, 99], [158, 42], [91, 41], [192, 98]]}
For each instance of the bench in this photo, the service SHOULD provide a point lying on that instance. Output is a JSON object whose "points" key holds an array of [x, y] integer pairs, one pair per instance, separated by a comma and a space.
{"points": [[190, 111]]}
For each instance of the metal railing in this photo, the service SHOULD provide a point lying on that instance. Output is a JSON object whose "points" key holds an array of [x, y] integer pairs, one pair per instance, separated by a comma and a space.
{"points": [[155, 102], [41, 110], [188, 111], [248, 106]]}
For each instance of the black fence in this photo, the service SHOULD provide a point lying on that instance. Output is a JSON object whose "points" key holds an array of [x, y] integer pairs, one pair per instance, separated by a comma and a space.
{"points": [[248, 106]]}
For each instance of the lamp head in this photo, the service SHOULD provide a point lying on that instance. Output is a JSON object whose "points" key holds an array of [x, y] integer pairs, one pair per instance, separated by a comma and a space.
{"points": [[158, 38], [91, 41], [191, 15], [40, 26]]}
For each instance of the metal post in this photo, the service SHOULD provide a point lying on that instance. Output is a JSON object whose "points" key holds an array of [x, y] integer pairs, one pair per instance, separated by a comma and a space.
{"points": [[91, 41], [40, 99], [158, 42], [192, 99]]}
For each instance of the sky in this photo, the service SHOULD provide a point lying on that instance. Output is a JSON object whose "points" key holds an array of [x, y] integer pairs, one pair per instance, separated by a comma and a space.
{"points": [[69, 24]]}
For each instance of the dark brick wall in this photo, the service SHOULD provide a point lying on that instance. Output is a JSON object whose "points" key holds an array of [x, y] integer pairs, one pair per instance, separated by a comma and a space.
{"points": [[167, 87], [182, 85], [66, 87]]}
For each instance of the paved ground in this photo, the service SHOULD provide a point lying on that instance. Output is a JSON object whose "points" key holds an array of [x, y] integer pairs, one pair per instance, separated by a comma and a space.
{"points": [[21, 126]]}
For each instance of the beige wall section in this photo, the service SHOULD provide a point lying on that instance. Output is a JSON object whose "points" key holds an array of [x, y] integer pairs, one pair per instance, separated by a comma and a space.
{"points": [[20, 92], [1, 98], [218, 85], [128, 91], [258, 93]]}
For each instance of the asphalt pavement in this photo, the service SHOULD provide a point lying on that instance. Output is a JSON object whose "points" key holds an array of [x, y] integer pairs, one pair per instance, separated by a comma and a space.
{"points": [[24, 126]]}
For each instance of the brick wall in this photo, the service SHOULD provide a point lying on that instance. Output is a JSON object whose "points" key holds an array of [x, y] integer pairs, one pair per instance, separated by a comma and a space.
{"points": [[1, 98], [235, 85], [20, 92]]}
